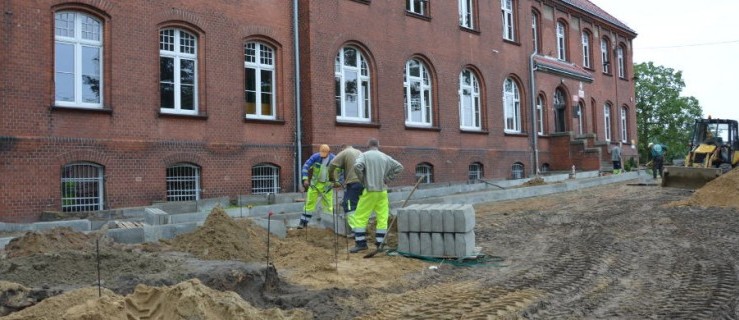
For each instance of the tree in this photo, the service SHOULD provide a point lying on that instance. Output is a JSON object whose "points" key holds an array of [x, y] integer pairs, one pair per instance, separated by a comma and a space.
{"points": [[662, 115]]}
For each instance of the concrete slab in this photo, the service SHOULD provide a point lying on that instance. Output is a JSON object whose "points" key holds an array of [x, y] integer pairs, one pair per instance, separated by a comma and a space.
{"points": [[276, 227], [129, 236], [76, 225], [155, 216]]}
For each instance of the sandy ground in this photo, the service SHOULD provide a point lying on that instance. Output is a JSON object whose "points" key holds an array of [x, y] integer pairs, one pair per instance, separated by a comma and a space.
{"points": [[618, 252]]}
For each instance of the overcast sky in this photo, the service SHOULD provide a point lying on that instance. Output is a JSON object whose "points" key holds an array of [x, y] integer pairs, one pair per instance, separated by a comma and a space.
{"points": [[699, 38]]}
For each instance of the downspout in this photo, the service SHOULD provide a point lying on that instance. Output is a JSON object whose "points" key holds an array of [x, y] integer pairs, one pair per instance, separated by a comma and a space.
{"points": [[534, 115], [298, 118]]}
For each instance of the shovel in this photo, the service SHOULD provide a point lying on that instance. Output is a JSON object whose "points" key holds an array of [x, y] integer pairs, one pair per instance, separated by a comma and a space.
{"points": [[382, 244]]}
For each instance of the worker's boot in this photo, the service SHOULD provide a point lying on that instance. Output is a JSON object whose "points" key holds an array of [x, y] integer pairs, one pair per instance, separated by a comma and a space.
{"points": [[304, 222], [359, 246]]}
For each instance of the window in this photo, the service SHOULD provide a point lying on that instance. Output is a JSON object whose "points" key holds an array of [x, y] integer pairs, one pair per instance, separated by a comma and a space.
{"points": [[579, 109], [178, 65], [352, 86], [621, 62], [586, 49], [469, 101], [426, 171], [419, 7], [78, 60], [475, 172], [511, 106], [624, 125], [561, 41], [545, 168], [517, 171], [509, 31], [540, 114], [82, 187], [559, 111], [535, 30], [259, 68], [265, 178], [467, 14], [605, 55], [417, 94], [607, 120], [183, 182]]}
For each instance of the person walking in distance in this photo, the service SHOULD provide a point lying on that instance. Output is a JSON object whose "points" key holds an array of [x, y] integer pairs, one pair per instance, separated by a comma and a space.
{"points": [[657, 151], [616, 158], [344, 161], [373, 169], [316, 182]]}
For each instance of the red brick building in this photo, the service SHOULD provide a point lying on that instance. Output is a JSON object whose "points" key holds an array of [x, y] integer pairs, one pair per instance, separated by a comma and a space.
{"points": [[109, 104]]}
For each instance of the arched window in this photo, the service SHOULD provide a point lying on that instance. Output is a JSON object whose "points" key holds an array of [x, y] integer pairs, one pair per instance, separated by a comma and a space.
{"points": [[417, 94], [607, 121], [183, 182], [475, 172], [579, 113], [561, 41], [605, 55], [265, 178], [511, 106], [624, 125], [426, 171], [78, 60], [586, 49], [352, 86], [517, 171], [178, 71], [259, 80], [540, 114], [560, 107], [469, 101], [621, 61], [82, 187]]}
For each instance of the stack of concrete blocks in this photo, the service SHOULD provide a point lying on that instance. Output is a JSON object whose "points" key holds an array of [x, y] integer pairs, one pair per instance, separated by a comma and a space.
{"points": [[437, 230]]}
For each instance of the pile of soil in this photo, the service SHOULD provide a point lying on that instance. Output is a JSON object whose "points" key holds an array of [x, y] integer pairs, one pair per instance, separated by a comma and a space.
{"points": [[186, 300], [720, 192], [536, 181], [223, 238], [53, 240]]}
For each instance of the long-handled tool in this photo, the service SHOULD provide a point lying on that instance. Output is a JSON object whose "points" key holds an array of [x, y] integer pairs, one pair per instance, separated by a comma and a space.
{"points": [[269, 231], [382, 244], [336, 230]]}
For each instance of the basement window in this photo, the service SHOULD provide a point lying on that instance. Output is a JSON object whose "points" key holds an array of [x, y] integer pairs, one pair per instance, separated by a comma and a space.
{"points": [[183, 182], [82, 187]]}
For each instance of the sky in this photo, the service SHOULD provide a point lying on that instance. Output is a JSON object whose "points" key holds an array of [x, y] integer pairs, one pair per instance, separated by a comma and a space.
{"points": [[699, 38]]}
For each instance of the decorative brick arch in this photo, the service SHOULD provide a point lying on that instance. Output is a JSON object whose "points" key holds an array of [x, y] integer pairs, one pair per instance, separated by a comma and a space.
{"points": [[98, 157], [176, 158]]}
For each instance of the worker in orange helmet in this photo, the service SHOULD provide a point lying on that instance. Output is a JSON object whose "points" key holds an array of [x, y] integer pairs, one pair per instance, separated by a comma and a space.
{"points": [[316, 182]]}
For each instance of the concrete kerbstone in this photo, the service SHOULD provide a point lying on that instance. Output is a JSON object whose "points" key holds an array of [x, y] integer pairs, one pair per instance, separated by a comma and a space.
{"points": [[464, 244], [449, 245], [424, 217], [464, 218], [426, 244], [448, 218], [129, 236], [414, 240], [437, 244], [155, 217], [437, 218], [276, 227], [76, 225], [187, 217], [414, 218], [404, 244]]}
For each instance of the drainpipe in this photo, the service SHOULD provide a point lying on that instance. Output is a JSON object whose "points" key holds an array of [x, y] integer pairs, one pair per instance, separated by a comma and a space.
{"points": [[298, 118], [534, 115]]}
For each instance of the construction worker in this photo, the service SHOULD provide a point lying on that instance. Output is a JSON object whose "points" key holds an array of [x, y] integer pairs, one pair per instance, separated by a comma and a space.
{"points": [[657, 151], [316, 182], [616, 158], [344, 161], [373, 168]]}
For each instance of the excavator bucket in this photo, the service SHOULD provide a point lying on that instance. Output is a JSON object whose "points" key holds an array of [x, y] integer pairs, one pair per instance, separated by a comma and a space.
{"points": [[688, 177]]}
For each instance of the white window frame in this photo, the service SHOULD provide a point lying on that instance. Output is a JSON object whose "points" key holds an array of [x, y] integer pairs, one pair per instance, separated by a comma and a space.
{"points": [[624, 125], [177, 185], [586, 49], [607, 121], [540, 114], [426, 171], [265, 178], [605, 56], [469, 113], [87, 33], [260, 57], [422, 83], [467, 14], [89, 178], [517, 171], [419, 7], [621, 63], [363, 91], [509, 26], [578, 111], [511, 106], [475, 172], [535, 30], [561, 41], [180, 41]]}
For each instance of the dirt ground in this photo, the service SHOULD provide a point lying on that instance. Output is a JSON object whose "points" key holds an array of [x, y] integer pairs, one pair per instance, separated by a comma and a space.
{"points": [[620, 251]]}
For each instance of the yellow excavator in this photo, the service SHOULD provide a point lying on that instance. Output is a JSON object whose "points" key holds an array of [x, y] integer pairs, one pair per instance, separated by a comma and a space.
{"points": [[714, 150]]}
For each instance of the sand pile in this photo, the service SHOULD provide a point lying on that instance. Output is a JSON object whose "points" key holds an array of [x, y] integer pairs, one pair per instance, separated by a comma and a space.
{"points": [[223, 238], [720, 192], [186, 300], [54, 240]]}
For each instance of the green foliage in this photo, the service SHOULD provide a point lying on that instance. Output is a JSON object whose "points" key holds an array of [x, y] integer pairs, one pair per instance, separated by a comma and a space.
{"points": [[662, 115], [630, 164]]}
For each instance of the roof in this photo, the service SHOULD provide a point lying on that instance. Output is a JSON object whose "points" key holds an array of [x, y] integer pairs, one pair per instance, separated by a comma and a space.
{"points": [[591, 8], [563, 68]]}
